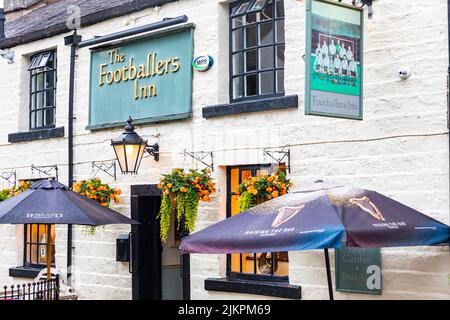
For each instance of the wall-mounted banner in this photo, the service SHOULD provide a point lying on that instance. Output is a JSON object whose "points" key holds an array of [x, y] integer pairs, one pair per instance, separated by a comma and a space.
{"points": [[358, 270], [149, 79], [334, 59]]}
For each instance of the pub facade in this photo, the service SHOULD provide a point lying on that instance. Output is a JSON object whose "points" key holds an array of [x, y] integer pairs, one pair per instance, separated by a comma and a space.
{"points": [[374, 115]]}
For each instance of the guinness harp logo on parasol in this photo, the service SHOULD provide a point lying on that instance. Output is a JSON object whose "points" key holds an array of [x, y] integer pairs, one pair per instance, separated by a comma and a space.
{"points": [[368, 206], [285, 214]]}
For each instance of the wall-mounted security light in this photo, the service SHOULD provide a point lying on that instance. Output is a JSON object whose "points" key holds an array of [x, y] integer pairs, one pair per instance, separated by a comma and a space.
{"points": [[8, 55], [130, 147], [368, 3]]}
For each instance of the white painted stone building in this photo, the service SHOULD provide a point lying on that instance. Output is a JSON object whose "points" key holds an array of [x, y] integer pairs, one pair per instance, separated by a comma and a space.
{"points": [[400, 148]]}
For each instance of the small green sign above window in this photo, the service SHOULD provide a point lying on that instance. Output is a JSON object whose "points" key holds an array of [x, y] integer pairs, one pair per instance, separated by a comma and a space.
{"points": [[149, 79]]}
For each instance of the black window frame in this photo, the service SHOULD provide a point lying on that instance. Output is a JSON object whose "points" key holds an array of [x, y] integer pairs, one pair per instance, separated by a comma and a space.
{"points": [[274, 44], [28, 241], [240, 275], [38, 67]]}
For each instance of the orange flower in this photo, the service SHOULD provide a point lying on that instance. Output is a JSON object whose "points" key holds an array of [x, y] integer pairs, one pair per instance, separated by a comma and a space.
{"points": [[118, 191], [269, 189], [169, 185], [275, 194], [183, 189], [105, 204], [271, 178]]}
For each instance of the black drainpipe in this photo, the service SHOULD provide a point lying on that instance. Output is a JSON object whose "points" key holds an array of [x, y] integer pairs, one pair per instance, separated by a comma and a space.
{"points": [[2, 23], [75, 42]]}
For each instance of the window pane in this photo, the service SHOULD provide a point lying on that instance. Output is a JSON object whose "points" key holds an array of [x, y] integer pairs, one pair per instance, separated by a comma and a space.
{"points": [[238, 87], [237, 22], [48, 117], [282, 265], [267, 13], [33, 120], [266, 33], [266, 58], [280, 81], [33, 83], [44, 60], [40, 81], [39, 99], [239, 9], [250, 36], [250, 85], [251, 18], [250, 60], [280, 56], [39, 115], [33, 101], [238, 63], [280, 30], [237, 40], [266, 82], [258, 5], [50, 79], [280, 8], [49, 98], [35, 61]]}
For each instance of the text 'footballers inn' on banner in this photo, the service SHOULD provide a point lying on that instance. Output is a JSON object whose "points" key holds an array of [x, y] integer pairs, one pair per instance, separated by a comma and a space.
{"points": [[334, 59]]}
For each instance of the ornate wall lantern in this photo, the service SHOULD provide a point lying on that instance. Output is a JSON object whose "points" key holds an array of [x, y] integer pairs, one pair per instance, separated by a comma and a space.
{"points": [[130, 147]]}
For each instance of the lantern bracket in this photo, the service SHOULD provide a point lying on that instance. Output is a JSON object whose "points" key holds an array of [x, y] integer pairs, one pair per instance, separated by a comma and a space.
{"points": [[279, 156], [200, 156], [11, 177], [108, 167], [46, 170], [153, 150]]}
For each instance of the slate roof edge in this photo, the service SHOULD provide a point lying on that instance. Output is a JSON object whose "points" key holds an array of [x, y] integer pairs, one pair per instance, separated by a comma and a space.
{"points": [[86, 20]]}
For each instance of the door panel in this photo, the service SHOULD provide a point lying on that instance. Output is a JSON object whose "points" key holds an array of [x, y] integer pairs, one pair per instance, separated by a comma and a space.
{"points": [[146, 248]]}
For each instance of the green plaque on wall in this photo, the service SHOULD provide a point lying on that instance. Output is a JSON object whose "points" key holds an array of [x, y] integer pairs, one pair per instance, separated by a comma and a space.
{"points": [[334, 59], [358, 270], [149, 79]]}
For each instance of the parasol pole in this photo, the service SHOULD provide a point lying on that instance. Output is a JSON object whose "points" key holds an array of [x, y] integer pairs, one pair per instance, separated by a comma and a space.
{"points": [[49, 252], [330, 283]]}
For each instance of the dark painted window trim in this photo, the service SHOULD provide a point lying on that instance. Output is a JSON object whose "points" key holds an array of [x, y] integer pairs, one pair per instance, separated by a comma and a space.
{"points": [[36, 135], [23, 272], [272, 289], [276, 103]]}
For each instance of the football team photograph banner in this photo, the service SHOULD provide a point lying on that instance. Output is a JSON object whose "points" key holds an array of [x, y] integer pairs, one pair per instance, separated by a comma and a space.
{"points": [[334, 59]]}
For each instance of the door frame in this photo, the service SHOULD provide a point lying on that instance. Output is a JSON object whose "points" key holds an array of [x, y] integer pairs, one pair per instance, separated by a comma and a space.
{"points": [[151, 190]]}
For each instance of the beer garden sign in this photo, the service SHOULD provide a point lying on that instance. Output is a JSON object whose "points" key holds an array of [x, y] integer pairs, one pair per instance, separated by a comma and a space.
{"points": [[149, 79]]}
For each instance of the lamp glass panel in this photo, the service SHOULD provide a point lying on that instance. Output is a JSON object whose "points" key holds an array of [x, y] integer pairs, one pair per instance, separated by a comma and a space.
{"points": [[129, 156]]}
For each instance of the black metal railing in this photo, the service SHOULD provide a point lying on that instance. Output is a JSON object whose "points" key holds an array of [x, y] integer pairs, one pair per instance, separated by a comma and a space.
{"points": [[40, 290]]}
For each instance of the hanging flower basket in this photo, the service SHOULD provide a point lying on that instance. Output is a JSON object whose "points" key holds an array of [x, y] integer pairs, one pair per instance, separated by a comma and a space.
{"points": [[256, 190], [182, 192], [15, 190], [96, 190]]}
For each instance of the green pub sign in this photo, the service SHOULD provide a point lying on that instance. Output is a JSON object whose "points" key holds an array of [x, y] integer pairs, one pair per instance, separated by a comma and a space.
{"points": [[149, 79], [358, 270], [334, 59]]}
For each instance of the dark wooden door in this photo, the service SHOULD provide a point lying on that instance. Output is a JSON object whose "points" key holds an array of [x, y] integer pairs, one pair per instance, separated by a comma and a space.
{"points": [[146, 252]]}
